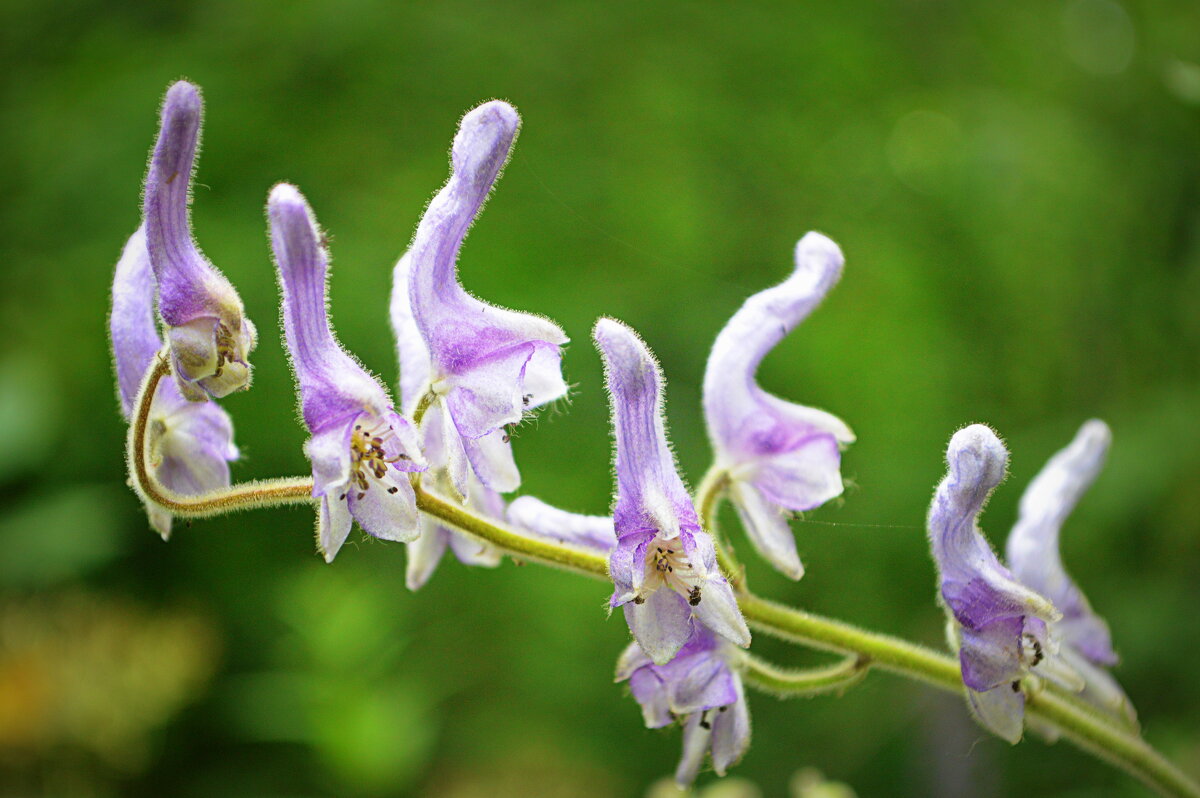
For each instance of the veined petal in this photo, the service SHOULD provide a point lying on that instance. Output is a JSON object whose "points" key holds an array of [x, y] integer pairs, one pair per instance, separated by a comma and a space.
{"points": [[718, 610], [593, 532], [803, 476], [333, 386], [744, 422], [661, 624], [496, 363], [767, 527], [388, 510], [975, 586], [1033, 544], [649, 490], [731, 732], [648, 690], [491, 458], [132, 324], [209, 334]]}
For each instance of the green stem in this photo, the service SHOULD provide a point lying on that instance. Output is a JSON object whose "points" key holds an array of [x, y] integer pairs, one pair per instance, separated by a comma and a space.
{"points": [[789, 683], [708, 501], [1104, 738]]}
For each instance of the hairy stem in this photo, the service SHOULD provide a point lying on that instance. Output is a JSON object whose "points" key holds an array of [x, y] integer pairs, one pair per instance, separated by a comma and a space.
{"points": [[791, 683], [244, 496], [1106, 738], [708, 500]]}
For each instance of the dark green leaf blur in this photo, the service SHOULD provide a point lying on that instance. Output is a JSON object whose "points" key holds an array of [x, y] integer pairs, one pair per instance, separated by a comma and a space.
{"points": [[1016, 187]]}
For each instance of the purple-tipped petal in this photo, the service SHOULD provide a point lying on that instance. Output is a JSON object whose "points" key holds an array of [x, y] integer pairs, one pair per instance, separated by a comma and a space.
{"points": [[789, 454], [361, 449], [1033, 544], [664, 566], [593, 532], [491, 364], [661, 624], [207, 328], [190, 445]]}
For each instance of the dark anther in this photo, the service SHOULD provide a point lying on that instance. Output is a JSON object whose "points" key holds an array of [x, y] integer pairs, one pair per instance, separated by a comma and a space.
{"points": [[526, 399], [393, 489], [1016, 686], [639, 600], [694, 596], [342, 497], [361, 495]]}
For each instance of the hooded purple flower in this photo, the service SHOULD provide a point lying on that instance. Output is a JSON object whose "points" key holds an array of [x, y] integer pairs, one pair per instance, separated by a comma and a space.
{"points": [[664, 568], [591, 532], [361, 449], [190, 444], [779, 457], [1034, 558], [207, 329], [443, 448], [1000, 625], [488, 366], [703, 690]]}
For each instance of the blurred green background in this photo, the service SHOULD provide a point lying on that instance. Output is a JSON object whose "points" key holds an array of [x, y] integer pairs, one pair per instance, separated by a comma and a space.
{"points": [[1017, 190]]}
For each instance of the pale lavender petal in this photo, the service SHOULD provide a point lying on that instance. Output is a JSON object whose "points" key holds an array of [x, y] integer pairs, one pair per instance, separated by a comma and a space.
{"points": [[632, 659], [390, 513], [495, 363], [472, 551], [991, 656], [209, 334], [648, 690], [410, 346], [593, 532], [767, 527], [731, 732], [491, 458], [425, 553], [661, 624], [333, 386], [132, 324], [718, 610], [333, 526], [649, 490], [703, 682], [1033, 545], [196, 449], [1000, 711], [974, 585], [697, 734], [803, 475]]}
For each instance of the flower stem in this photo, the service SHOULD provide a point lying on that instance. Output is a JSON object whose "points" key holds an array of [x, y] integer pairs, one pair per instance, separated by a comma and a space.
{"points": [[708, 501], [1101, 736], [789, 683], [243, 496]]}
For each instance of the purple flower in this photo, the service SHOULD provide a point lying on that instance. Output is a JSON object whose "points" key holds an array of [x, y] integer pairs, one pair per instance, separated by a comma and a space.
{"points": [[361, 449], [1001, 626], [778, 457], [1034, 558], [190, 444], [207, 329], [664, 568], [443, 448], [700, 688], [488, 365], [591, 532]]}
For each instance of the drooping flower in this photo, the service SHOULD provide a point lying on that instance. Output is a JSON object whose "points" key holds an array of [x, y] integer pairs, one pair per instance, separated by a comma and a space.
{"points": [[591, 532], [488, 366], [190, 444], [1002, 628], [1033, 556], [443, 449], [702, 689], [207, 328], [664, 567], [777, 457], [361, 449]]}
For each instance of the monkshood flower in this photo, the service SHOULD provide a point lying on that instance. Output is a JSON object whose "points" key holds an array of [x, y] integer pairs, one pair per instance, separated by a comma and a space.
{"points": [[207, 328], [443, 448], [488, 366], [190, 444], [591, 532], [664, 567], [1034, 558], [1002, 627], [777, 457], [361, 449], [701, 689]]}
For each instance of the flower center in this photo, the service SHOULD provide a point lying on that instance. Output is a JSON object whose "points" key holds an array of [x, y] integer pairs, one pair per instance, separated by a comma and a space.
{"points": [[368, 457], [667, 566]]}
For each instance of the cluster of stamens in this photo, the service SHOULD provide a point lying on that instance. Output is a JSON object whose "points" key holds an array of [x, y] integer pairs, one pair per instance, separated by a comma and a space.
{"points": [[667, 564], [225, 348], [369, 458], [1029, 643]]}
